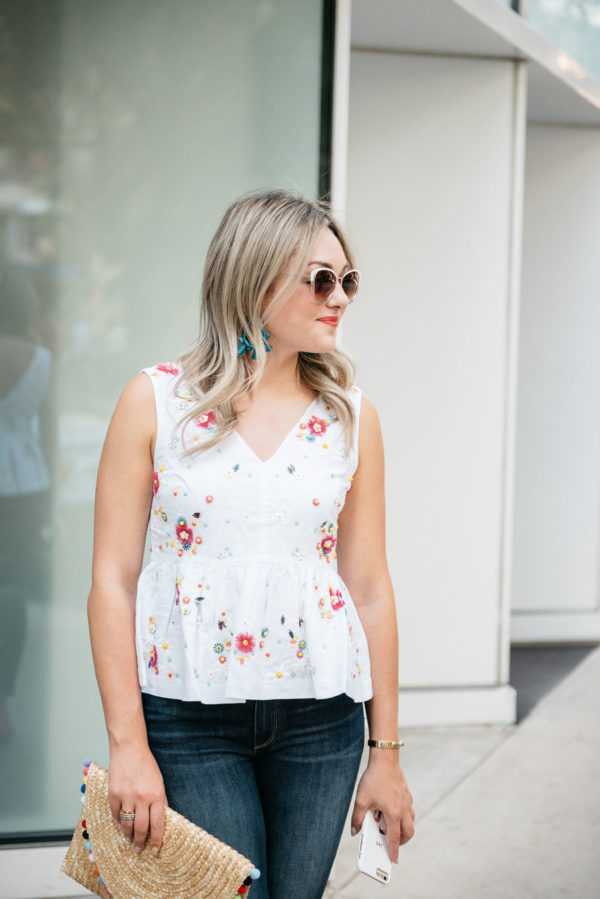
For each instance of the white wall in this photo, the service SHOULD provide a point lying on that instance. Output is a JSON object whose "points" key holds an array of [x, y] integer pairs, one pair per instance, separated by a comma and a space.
{"points": [[557, 498], [430, 188]]}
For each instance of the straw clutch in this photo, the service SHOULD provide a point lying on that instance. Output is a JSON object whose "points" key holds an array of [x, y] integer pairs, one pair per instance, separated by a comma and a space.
{"points": [[191, 862]]}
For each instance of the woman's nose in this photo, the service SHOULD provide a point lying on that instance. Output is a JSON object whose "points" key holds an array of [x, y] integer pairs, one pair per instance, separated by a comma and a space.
{"points": [[338, 296]]}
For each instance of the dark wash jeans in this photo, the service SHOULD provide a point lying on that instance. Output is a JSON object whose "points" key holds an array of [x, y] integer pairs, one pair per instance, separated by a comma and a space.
{"points": [[273, 778]]}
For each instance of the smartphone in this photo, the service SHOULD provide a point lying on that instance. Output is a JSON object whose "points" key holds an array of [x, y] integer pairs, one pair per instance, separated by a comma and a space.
{"points": [[373, 858]]}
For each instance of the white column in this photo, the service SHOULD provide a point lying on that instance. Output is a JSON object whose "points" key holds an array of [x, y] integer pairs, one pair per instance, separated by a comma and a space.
{"points": [[557, 525], [434, 185]]}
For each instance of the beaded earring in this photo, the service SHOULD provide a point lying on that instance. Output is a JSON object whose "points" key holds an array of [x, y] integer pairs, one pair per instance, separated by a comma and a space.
{"points": [[245, 345]]}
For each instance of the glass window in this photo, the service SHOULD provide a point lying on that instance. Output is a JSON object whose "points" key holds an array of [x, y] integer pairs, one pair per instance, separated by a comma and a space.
{"points": [[572, 25], [127, 126]]}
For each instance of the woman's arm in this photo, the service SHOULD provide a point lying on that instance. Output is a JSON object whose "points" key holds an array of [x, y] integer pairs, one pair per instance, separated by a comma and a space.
{"points": [[363, 567], [123, 498]]}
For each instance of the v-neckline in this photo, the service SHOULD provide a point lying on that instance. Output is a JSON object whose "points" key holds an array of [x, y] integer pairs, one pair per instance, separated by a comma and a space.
{"points": [[284, 440]]}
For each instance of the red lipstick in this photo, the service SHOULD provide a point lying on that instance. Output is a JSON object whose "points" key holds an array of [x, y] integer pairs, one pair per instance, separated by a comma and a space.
{"points": [[330, 320]]}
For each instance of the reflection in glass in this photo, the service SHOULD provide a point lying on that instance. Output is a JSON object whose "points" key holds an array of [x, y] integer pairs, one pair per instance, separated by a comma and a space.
{"points": [[126, 127], [572, 25]]}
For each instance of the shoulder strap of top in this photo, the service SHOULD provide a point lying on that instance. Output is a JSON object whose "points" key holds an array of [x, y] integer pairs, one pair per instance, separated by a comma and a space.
{"points": [[163, 378]]}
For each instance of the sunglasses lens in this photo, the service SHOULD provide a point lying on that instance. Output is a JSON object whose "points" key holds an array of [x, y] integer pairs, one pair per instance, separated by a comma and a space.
{"points": [[350, 284], [324, 284]]}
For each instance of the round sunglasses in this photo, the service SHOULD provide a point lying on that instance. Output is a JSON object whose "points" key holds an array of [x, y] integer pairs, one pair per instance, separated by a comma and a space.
{"points": [[323, 280]]}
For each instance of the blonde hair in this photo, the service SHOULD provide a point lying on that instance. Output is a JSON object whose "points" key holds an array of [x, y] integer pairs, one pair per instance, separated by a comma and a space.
{"points": [[250, 249]]}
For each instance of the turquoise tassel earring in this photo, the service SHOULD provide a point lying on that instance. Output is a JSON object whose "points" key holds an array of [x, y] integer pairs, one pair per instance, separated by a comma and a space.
{"points": [[245, 345]]}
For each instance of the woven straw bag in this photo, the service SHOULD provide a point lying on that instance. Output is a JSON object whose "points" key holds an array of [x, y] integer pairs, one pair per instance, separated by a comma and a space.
{"points": [[191, 862]]}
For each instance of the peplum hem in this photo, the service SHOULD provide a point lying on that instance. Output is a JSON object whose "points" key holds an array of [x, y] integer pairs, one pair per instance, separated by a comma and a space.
{"points": [[219, 632]]}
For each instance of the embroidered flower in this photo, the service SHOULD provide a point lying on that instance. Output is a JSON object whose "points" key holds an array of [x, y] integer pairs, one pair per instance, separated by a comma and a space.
{"points": [[245, 642], [151, 624], [302, 644], [336, 599], [219, 648], [209, 498], [153, 661], [168, 368], [184, 532], [155, 482], [222, 659], [326, 545], [264, 632], [206, 420], [317, 426]]}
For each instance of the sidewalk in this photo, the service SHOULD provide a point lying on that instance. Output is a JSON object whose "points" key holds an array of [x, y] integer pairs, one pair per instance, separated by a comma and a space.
{"points": [[501, 812]]}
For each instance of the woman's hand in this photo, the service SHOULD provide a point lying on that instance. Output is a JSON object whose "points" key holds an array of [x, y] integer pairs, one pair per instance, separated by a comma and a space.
{"points": [[135, 784], [383, 787]]}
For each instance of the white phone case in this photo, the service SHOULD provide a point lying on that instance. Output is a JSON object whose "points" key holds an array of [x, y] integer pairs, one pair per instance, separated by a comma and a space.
{"points": [[373, 858]]}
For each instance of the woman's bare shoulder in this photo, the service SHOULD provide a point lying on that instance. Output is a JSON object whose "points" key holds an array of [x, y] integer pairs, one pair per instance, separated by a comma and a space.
{"points": [[135, 412], [369, 434]]}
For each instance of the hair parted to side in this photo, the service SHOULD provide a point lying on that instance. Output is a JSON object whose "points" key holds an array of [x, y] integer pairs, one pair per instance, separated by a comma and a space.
{"points": [[252, 246]]}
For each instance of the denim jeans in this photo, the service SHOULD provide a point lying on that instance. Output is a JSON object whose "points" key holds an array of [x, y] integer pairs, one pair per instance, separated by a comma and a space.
{"points": [[273, 778]]}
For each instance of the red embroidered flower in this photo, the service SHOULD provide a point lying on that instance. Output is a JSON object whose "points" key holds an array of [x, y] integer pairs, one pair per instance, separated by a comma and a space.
{"points": [[336, 599], [185, 535], [168, 368], [326, 545], [317, 426], [153, 661], [245, 642], [155, 482], [206, 420]]}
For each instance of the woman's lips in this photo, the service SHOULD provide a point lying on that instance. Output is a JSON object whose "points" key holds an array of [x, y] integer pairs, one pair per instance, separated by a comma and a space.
{"points": [[329, 321]]}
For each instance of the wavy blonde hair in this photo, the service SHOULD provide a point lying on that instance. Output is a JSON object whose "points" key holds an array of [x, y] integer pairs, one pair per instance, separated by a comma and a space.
{"points": [[251, 248]]}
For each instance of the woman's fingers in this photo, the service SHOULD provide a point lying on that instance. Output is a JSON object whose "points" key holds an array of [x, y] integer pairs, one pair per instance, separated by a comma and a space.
{"points": [[408, 827], [157, 826], [392, 832], [121, 809], [140, 830]]}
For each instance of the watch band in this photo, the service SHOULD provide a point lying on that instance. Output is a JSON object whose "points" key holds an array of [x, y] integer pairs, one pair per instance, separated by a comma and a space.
{"points": [[386, 744]]}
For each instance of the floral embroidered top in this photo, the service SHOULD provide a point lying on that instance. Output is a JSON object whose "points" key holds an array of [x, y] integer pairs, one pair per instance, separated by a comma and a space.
{"points": [[242, 598]]}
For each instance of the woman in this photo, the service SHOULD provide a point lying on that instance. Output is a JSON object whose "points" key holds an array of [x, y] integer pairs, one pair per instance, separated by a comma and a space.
{"points": [[253, 654]]}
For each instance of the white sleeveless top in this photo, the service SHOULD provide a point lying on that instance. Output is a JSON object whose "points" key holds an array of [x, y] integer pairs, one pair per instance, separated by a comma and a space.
{"points": [[242, 599]]}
